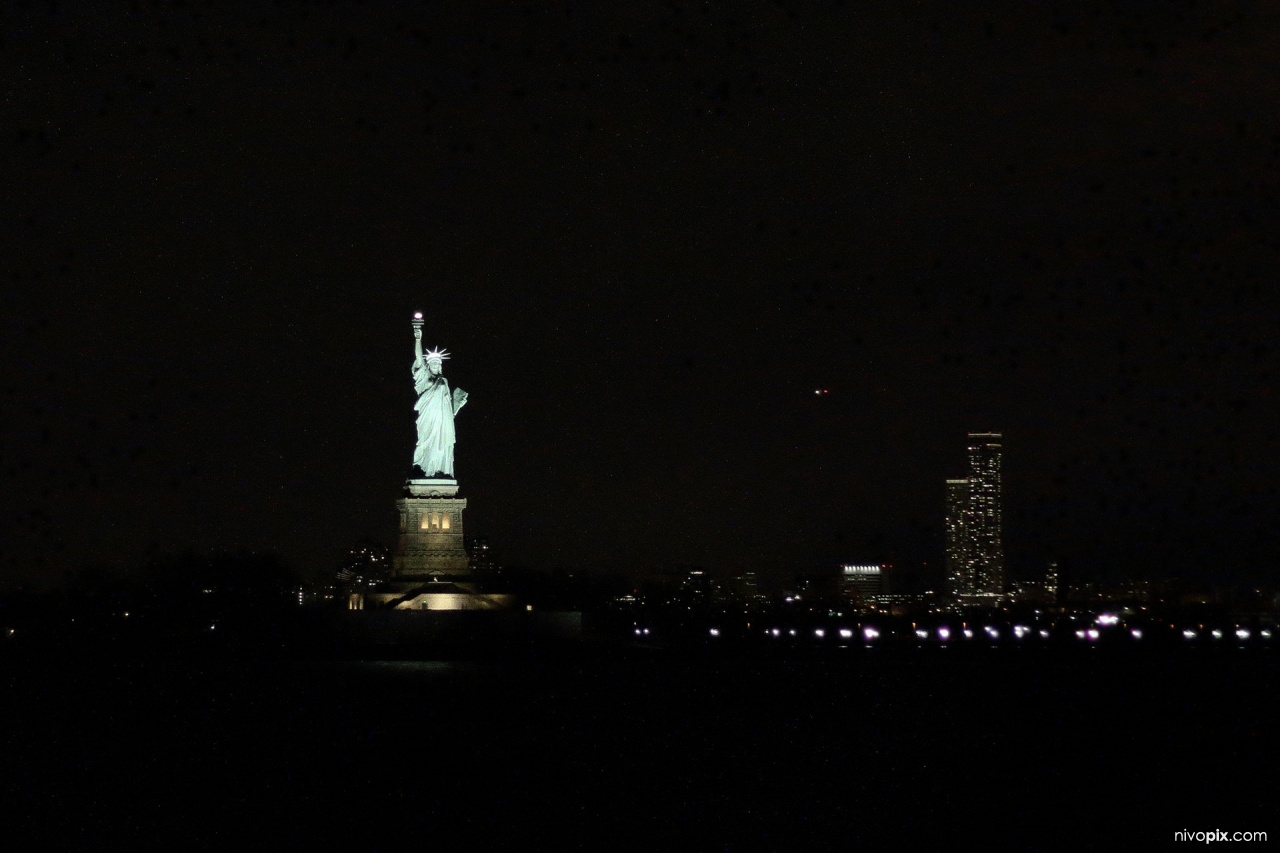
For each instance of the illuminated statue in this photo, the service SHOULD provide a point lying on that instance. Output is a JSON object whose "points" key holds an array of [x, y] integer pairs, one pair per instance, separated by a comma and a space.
{"points": [[436, 407]]}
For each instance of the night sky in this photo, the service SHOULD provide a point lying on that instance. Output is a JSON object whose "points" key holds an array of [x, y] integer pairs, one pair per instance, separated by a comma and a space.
{"points": [[647, 234]]}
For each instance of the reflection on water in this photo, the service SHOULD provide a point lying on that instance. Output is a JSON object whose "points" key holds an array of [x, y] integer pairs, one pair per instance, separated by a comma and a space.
{"points": [[392, 667], [411, 667]]}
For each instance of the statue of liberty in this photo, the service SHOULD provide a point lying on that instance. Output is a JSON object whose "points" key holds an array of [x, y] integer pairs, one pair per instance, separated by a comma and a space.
{"points": [[436, 407]]}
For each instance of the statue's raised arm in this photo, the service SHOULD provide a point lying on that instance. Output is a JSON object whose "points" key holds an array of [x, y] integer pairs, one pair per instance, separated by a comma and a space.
{"points": [[436, 407], [417, 338]]}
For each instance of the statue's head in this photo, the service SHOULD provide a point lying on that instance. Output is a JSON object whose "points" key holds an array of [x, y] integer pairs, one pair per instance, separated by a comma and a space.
{"points": [[435, 361]]}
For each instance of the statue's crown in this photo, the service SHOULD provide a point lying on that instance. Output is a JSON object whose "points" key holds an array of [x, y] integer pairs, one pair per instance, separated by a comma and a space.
{"points": [[435, 355]]}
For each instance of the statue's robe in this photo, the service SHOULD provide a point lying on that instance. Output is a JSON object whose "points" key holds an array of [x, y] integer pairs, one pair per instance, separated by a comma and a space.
{"points": [[435, 407]]}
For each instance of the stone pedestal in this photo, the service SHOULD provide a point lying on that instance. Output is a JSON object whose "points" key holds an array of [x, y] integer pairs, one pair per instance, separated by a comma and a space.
{"points": [[432, 487], [431, 543]]}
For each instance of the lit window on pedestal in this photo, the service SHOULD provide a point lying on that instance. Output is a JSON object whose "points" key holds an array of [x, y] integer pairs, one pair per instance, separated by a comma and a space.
{"points": [[444, 521]]}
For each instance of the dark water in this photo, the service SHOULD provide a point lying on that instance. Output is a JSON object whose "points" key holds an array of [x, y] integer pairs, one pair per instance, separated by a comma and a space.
{"points": [[1002, 750]]}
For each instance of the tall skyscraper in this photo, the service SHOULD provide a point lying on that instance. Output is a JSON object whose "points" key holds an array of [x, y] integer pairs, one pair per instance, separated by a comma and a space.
{"points": [[959, 578], [975, 543], [983, 521]]}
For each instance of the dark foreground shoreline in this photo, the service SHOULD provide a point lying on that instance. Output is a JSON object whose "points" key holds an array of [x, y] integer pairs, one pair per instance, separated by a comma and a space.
{"points": [[589, 745]]}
